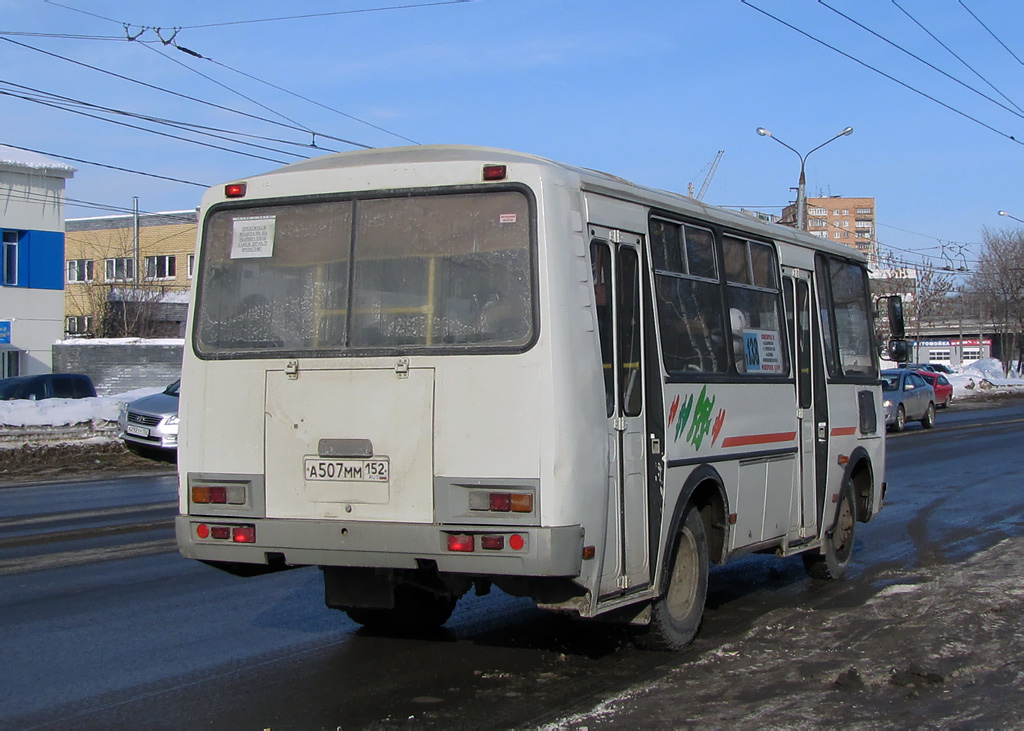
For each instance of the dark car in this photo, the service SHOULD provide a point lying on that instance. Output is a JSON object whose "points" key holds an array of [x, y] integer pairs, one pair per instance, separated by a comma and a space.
{"points": [[47, 385], [907, 397]]}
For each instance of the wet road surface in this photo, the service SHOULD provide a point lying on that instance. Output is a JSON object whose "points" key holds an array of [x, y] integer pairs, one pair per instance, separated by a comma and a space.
{"points": [[106, 627]]}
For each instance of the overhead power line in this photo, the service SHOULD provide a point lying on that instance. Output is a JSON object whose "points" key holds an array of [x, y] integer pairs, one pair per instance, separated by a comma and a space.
{"points": [[954, 54], [982, 24], [882, 73], [104, 165], [183, 96], [932, 66]]}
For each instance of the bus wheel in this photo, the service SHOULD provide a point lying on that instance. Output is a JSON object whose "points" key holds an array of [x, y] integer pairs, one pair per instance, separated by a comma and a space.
{"points": [[415, 610], [835, 555], [676, 614]]}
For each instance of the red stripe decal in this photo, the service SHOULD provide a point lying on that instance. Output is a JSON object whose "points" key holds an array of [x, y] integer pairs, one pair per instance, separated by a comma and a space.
{"points": [[753, 439], [844, 431]]}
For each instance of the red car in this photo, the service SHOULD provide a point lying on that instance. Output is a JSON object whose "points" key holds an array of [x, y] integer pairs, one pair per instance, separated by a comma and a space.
{"points": [[943, 388]]}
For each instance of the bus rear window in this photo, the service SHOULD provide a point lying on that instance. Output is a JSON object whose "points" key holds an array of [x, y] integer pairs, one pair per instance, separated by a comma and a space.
{"points": [[328, 277]]}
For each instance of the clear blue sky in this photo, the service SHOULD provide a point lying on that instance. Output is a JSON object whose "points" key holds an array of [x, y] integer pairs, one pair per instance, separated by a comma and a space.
{"points": [[649, 91]]}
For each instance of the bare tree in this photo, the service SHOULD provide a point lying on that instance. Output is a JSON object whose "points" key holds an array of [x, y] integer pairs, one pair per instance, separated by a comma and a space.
{"points": [[924, 290], [998, 285]]}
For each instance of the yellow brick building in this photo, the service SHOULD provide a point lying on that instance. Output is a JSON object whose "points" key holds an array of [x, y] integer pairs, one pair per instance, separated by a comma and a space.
{"points": [[128, 275], [849, 221]]}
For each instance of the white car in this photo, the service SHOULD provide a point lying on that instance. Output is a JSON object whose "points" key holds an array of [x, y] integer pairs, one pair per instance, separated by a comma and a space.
{"points": [[151, 422]]}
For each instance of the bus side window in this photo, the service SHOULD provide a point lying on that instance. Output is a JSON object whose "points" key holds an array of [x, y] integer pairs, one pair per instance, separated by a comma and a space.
{"points": [[601, 264]]}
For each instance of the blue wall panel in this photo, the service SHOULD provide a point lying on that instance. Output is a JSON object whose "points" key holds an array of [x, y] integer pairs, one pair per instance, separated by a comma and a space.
{"points": [[41, 260]]}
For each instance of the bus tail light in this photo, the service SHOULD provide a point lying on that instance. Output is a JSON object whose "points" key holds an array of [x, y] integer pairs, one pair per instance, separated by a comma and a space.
{"points": [[495, 172], [461, 542], [243, 534], [218, 494], [501, 502], [234, 190], [492, 543], [234, 533]]}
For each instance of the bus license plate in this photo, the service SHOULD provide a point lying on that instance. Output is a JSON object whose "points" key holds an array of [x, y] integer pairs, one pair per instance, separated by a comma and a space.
{"points": [[138, 431], [346, 470]]}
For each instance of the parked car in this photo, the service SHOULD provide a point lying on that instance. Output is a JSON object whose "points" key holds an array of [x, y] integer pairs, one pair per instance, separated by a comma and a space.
{"points": [[151, 422], [907, 397], [943, 388], [47, 385]]}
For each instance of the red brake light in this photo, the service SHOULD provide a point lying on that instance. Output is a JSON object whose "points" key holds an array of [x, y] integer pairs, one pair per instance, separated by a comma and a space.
{"points": [[243, 534], [234, 190], [460, 542], [495, 172], [501, 502], [492, 543], [220, 532]]}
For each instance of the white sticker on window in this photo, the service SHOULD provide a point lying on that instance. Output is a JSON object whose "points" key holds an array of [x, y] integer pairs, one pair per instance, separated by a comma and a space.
{"points": [[507, 217], [253, 237], [762, 350]]}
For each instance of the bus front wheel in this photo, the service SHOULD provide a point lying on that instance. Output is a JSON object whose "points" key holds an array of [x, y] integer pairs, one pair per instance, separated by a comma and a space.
{"points": [[677, 613]]}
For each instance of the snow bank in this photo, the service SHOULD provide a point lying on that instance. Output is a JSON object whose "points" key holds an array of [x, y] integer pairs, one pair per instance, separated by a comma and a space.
{"points": [[63, 412]]}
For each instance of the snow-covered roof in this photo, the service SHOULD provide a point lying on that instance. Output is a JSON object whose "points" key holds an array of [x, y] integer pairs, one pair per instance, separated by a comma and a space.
{"points": [[17, 160]]}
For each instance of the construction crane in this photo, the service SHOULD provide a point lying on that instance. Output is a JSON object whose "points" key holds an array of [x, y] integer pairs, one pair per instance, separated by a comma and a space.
{"points": [[707, 179]]}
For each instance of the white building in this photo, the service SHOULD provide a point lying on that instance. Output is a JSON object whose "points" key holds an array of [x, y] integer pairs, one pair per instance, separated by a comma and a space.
{"points": [[31, 261]]}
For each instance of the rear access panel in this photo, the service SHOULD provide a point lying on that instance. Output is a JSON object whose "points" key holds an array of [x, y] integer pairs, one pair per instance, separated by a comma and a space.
{"points": [[350, 444]]}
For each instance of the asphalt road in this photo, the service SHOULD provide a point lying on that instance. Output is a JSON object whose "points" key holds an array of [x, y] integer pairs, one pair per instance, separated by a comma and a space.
{"points": [[105, 626]]}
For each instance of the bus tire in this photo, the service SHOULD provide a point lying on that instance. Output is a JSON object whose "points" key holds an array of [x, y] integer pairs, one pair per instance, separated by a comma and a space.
{"points": [[677, 613], [415, 610], [835, 555]]}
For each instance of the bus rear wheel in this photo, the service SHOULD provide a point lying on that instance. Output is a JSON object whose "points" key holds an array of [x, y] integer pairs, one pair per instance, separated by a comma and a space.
{"points": [[415, 610], [835, 555], [677, 613]]}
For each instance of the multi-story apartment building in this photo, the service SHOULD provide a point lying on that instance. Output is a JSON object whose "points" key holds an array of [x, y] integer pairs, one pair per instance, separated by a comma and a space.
{"points": [[849, 221], [129, 275], [31, 283]]}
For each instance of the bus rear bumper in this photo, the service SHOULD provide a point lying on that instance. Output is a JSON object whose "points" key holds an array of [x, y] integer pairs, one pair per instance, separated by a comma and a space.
{"points": [[556, 551]]}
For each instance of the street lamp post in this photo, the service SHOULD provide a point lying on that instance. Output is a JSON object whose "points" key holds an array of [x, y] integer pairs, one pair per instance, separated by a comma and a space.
{"points": [[1004, 213], [801, 195]]}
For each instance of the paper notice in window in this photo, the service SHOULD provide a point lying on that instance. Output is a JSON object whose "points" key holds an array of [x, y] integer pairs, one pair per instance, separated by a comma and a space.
{"points": [[762, 350], [253, 238]]}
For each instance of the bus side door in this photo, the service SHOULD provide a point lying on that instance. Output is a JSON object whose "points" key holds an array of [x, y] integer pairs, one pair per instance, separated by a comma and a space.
{"points": [[618, 286], [798, 295]]}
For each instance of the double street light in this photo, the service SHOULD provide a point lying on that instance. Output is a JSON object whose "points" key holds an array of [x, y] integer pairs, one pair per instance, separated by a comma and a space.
{"points": [[801, 196], [1004, 213]]}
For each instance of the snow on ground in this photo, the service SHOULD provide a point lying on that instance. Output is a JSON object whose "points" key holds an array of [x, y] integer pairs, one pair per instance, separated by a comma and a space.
{"points": [[61, 412]]}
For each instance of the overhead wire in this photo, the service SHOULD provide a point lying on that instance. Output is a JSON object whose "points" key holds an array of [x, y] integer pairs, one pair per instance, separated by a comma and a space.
{"points": [[150, 131], [183, 96], [913, 55], [878, 71], [982, 24], [324, 15], [954, 54], [104, 165], [177, 124]]}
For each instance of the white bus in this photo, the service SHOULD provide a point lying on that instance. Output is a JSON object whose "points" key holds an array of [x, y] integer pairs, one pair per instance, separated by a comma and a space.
{"points": [[430, 370]]}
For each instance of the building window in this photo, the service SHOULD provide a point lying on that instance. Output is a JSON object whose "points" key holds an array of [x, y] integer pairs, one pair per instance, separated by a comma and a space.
{"points": [[10, 254], [970, 355], [846, 224], [939, 356], [78, 325], [11, 363], [191, 264], [846, 211], [835, 235], [817, 211], [820, 234], [817, 223], [160, 267], [119, 270], [865, 211], [80, 270]]}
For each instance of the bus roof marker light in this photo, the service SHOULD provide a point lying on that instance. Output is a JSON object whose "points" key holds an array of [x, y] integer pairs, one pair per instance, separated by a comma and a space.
{"points": [[495, 172], [234, 190]]}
